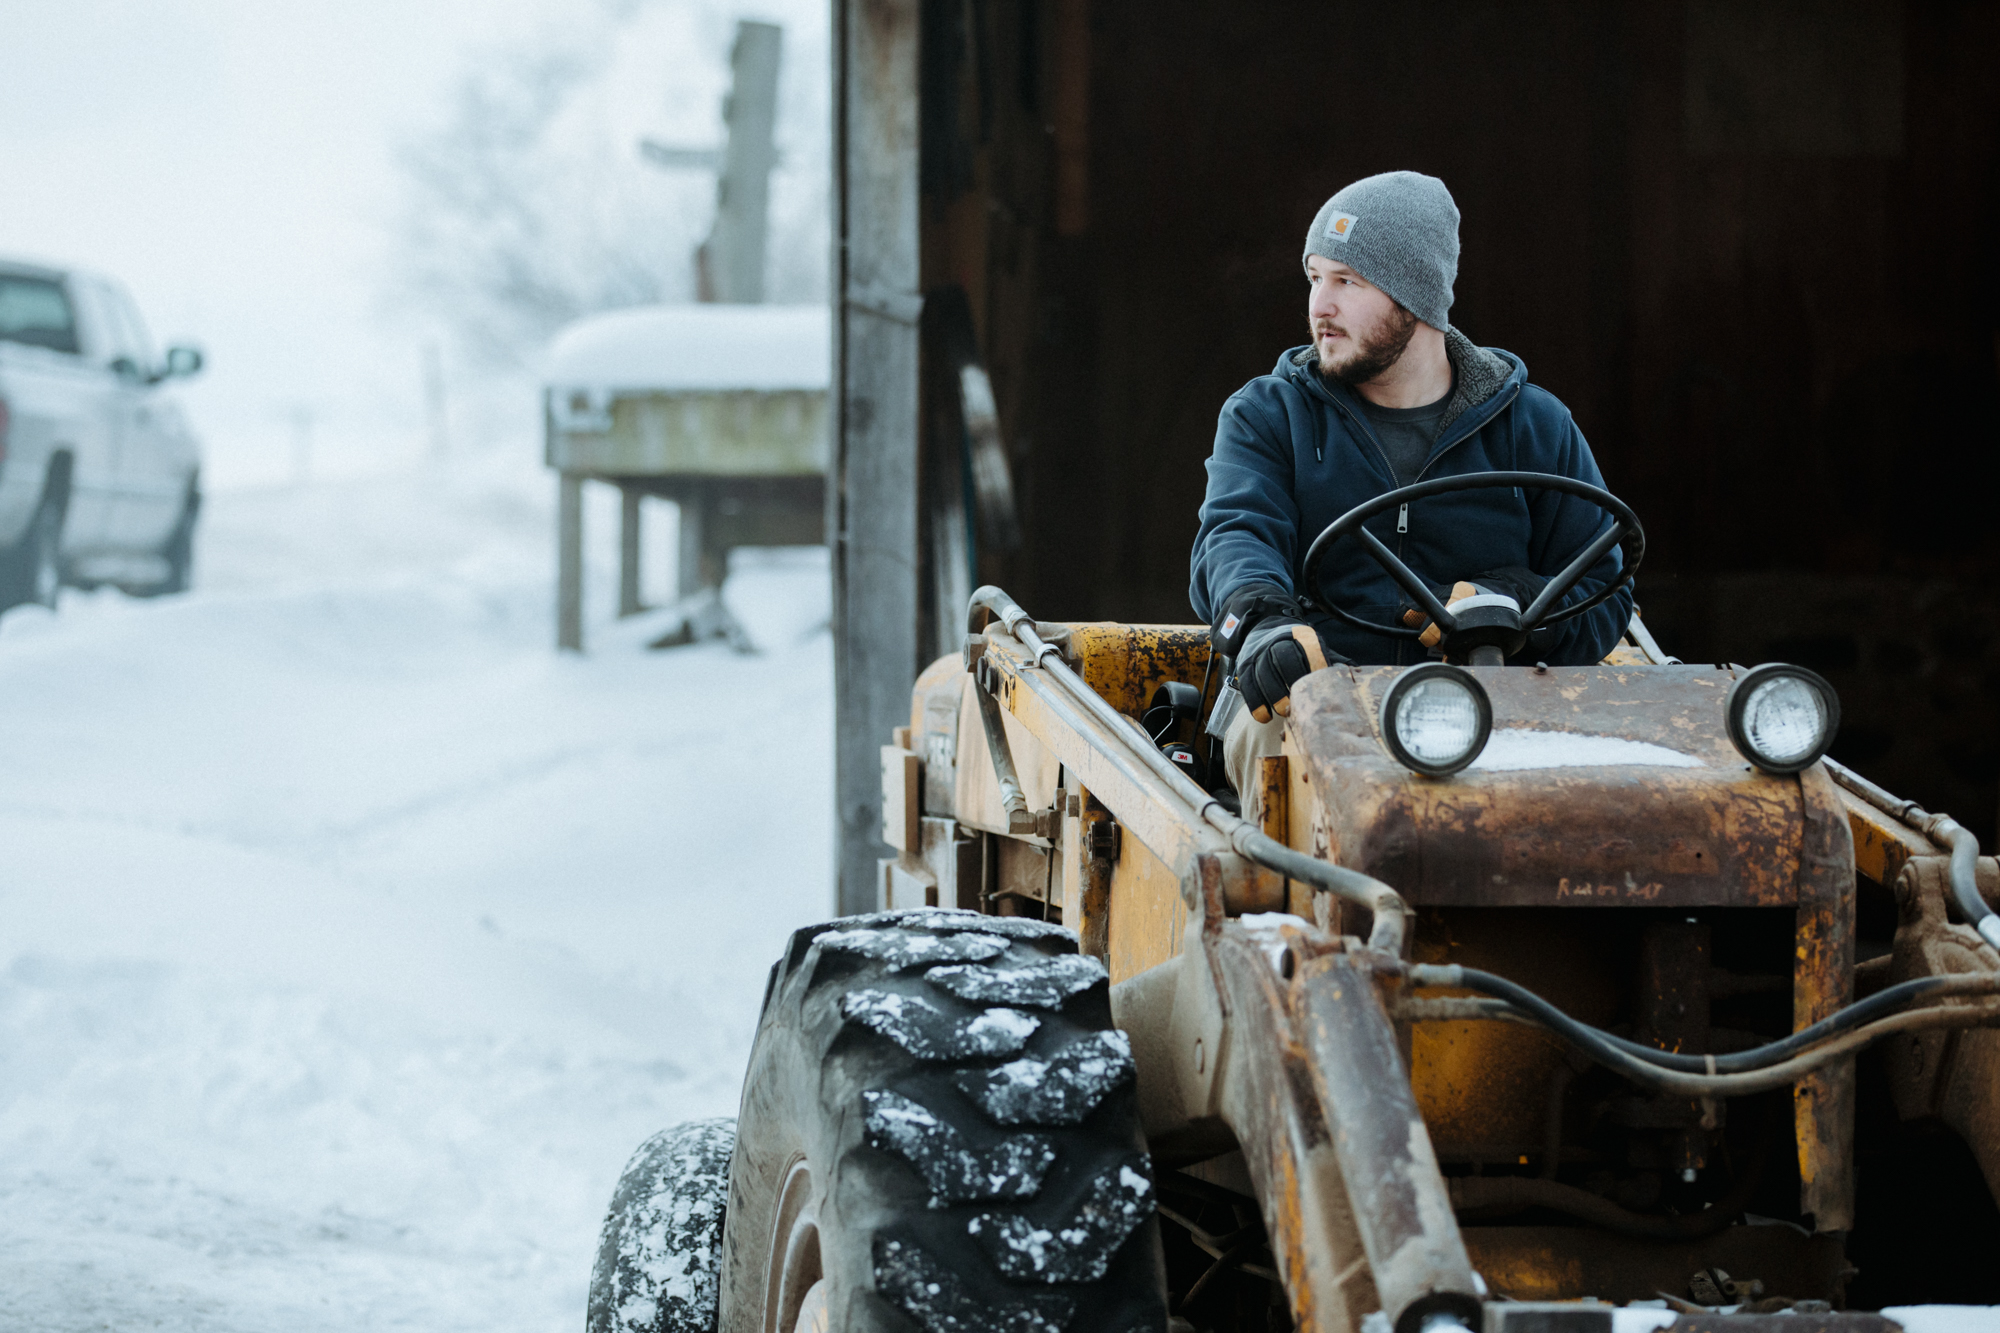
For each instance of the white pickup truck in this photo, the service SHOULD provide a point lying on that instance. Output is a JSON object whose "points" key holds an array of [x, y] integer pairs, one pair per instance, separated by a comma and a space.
{"points": [[99, 473]]}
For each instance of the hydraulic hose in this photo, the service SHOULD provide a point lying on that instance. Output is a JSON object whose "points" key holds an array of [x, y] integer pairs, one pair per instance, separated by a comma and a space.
{"points": [[1244, 838], [1943, 830], [1530, 1005], [1611, 1052]]}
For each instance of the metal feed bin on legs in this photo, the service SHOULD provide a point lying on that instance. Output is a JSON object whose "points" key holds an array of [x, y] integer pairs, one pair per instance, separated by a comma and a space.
{"points": [[719, 408]]}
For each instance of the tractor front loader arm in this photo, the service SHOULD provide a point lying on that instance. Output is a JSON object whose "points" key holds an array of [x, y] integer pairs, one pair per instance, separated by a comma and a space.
{"points": [[1278, 1039], [1110, 756]]}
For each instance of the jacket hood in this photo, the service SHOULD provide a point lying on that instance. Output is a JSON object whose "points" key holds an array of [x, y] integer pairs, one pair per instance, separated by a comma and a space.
{"points": [[1478, 375]]}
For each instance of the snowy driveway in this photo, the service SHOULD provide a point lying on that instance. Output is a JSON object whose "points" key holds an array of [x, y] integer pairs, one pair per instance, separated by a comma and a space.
{"points": [[352, 939]]}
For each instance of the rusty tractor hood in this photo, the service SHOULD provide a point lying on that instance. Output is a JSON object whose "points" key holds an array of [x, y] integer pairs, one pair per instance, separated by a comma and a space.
{"points": [[1612, 786]]}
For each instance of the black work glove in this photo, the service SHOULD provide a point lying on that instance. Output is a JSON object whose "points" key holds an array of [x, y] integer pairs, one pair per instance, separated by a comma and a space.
{"points": [[1244, 608], [1279, 651], [1522, 584], [1262, 631]]}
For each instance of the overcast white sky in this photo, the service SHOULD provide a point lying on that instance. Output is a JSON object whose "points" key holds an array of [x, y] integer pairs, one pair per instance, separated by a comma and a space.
{"points": [[235, 163]]}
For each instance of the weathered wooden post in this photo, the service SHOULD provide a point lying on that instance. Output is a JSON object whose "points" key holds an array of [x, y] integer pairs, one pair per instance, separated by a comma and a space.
{"points": [[872, 503]]}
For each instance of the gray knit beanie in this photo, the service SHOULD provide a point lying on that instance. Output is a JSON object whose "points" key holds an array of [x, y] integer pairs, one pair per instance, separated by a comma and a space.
{"points": [[1399, 230]]}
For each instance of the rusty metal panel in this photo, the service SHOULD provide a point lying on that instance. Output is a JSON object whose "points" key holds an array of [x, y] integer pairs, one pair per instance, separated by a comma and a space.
{"points": [[1126, 663], [1882, 846], [1484, 1088], [1306, 831], [1147, 915], [1822, 983], [1707, 830]]}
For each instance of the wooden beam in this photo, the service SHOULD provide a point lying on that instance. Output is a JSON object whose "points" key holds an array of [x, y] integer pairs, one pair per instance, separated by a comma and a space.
{"points": [[628, 550], [569, 562], [872, 496]]}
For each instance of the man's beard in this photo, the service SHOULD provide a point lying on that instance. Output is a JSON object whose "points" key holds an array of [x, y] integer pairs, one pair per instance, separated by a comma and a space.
{"points": [[1375, 355]]}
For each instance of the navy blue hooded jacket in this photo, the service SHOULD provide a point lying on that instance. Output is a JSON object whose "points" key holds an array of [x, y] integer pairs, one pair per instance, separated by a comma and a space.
{"points": [[1294, 452]]}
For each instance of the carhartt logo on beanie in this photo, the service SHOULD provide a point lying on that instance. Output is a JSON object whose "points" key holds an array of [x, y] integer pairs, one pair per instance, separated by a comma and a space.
{"points": [[1399, 230]]}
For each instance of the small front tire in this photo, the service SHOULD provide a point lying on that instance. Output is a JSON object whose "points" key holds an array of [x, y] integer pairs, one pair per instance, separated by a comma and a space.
{"points": [[660, 1250]]}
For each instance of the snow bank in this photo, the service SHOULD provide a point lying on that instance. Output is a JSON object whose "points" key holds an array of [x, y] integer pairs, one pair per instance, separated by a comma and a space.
{"points": [[353, 939], [667, 347]]}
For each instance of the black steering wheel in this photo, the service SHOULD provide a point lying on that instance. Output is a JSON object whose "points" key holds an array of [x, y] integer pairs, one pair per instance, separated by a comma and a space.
{"points": [[1624, 532]]}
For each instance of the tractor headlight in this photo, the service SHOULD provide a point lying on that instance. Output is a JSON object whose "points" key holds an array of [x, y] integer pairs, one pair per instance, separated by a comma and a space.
{"points": [[1781, 717], [1435, 719]]}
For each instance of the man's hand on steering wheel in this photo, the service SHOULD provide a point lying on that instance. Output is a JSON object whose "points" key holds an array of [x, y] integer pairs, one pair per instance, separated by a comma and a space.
{"points": [[1515, 581], [1415, 618], [1264, 632], [1489, 632]]}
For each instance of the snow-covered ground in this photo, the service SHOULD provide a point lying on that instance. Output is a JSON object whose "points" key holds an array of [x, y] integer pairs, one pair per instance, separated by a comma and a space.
{"points": [[350, 938]]}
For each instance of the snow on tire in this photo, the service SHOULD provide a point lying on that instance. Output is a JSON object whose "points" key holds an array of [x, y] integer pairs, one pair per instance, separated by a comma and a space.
{"points": [[967, 1116], [659, 1255]]}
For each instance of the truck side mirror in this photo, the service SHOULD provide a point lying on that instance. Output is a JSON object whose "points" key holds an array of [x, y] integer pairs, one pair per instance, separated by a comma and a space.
{"points": [[181, 363]]}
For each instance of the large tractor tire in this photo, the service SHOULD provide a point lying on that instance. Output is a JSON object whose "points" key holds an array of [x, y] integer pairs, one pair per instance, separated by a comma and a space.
{"points": [[662, 1239], [940, 1132]]}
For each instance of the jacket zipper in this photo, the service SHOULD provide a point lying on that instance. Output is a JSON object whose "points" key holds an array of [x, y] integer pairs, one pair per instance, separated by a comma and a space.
{"points": [[1403, 513]]}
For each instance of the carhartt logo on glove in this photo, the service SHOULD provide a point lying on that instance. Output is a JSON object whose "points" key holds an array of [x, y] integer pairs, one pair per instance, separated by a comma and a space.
{"points": [[1229, 624]]}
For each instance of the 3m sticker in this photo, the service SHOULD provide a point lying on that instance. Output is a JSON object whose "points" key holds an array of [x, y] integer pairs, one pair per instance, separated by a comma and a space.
{"points": [[1341, 228]]}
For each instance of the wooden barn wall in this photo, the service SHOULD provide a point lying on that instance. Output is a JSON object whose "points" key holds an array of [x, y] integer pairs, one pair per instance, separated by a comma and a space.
{"points": [[1750, 246]]}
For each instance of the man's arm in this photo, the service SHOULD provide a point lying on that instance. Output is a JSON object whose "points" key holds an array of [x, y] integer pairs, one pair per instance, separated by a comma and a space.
{"points": [[1249, 519]]}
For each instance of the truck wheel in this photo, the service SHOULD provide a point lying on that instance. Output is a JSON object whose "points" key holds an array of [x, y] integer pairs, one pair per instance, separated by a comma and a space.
{"points": [[657, 1258], [940, 1132], [178, 553], [31, 572]]}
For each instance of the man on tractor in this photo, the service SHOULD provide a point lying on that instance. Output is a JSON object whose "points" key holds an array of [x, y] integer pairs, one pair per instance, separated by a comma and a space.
{"points": [[1388, 394]]}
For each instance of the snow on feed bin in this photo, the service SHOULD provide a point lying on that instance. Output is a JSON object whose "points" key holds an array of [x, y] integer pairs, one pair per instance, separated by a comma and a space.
{"points": [[720, 408]]}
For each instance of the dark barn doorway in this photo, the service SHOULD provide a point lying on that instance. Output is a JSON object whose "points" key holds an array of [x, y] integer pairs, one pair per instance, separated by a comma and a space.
{"points": [[1751, 245]]}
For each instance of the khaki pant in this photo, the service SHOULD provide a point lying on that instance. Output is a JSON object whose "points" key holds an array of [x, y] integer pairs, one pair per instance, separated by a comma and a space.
{"points": [[1246, 742]]}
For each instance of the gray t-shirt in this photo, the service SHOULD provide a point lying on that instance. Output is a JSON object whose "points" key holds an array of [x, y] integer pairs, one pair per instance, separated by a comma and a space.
{"points": [[1407, 433]]}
